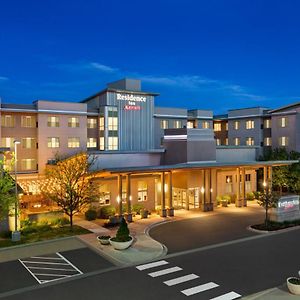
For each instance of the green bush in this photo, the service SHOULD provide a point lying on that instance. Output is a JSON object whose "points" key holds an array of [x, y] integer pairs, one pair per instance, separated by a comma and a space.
{"points": [[137, 207], [90, 214], [226, 198], [256, 194], [60, 221], [26, 222], [250, 196], [106, 211], [122, 233]]}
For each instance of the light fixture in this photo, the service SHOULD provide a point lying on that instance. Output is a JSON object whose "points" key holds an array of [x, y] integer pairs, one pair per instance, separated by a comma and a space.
{"points": [[118, 199], [264, 184], [202, 190], [211, 190]]}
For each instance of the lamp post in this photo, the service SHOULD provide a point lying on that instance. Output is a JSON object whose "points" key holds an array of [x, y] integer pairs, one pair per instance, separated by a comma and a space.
{"points": [[16, 236]]}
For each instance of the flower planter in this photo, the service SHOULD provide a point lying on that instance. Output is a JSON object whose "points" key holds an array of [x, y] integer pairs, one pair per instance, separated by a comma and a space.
{"points": [[293, 287], [121, 245], [103, 241]]}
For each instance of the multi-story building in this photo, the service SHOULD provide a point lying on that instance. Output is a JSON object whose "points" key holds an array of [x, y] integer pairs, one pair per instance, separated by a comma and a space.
{"points": [[132, 138]]}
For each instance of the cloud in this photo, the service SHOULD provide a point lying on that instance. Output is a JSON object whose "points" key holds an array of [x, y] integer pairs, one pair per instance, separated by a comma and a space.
{"points": [[103, 68], [81, 66], [3, 78]]}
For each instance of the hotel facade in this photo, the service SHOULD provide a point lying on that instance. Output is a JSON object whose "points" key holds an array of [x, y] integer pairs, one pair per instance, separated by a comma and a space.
{"points": [[161, 157]]}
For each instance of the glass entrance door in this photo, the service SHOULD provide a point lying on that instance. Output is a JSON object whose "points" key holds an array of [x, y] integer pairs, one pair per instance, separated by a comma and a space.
{"points": [[193, 198], [179, 198]]}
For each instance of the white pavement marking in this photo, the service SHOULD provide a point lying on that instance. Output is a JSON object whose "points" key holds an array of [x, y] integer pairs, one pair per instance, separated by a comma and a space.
{"points": [[228, 296], [69, 262], [152, 265], [39, 281], [181, 279], [43, 263], [54, 275], [56, 269], [41, 257], [199, 288], [165, 271]]}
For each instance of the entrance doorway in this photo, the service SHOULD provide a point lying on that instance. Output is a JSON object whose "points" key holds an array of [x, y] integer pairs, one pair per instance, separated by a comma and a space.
{"points": [[194, 198], [179, 198]]}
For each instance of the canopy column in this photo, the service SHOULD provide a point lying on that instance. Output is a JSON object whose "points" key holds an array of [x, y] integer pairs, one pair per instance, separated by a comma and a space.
{"points": [[163, 195], [119, 198], [128, 197], [244, 200], [170, 195], [270, 169], [238, 202]]}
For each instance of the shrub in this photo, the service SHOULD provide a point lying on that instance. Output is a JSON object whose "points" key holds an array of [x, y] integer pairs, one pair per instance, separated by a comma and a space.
{"points": [[256, 194], [106, 211], [137, 207], [90, 214], [26, 222], [226, 198], [250, 196], [5, 234], [122, 233], [60, 221]]}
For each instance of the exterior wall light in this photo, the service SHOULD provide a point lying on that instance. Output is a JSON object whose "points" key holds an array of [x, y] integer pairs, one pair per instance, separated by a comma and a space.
{"points": [[264, 184], [118, 199], [202, 190], [211, 190], [130, 198]]}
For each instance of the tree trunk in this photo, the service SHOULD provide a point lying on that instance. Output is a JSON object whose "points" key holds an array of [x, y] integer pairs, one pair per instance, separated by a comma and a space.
{"points": [[266, 219], [71, 221]]}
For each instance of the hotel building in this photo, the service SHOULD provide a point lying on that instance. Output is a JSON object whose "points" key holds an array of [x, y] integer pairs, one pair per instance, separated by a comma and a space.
{"points": [[161, 157]]}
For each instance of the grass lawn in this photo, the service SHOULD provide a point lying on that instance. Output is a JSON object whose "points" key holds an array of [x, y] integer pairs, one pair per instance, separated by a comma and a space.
{"points": [[42, 233]]}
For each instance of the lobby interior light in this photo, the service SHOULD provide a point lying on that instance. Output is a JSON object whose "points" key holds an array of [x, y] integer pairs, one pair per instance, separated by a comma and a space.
{"points": [[211, 190], [166, 188], [118, 199], [202, 190], [130, 198]]}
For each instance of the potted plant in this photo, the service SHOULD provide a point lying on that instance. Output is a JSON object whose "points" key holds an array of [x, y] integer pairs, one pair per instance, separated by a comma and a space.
{"points": [[122, 240], [293, 284], [144, 213], [103, 239]]}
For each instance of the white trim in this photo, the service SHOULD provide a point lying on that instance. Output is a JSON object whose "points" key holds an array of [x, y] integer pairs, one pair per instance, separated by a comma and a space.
{"points": [[170, 116], [176, 137]]}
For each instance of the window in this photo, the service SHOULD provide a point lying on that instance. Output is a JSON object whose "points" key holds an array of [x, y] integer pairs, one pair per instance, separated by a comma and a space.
{"points": [[248, 187], [283, 122], [73, 122], [164, 124], [228, 184], [237, 141], [28, 143], [226, 126], [101, 123], [53, 121], [267, 141], [217, 127], [226, 142], [112, 118], [73, 142], [91, 143], [218, 142], [142, 191], [28, 121], [236, 125], [8, 121], [7, 142], [104, 198], [112, 143], [28, 164], [283, 141], [101, 143], [267, 123], [250, 124], [250, 141], [53, 142], [91, 123], [177, 124], [190, 124], [247, 177], [205, 125]]}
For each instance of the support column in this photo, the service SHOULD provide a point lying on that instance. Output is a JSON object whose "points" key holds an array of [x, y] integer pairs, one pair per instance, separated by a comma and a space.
{"points": [[265, 181], [119, 199], [238, 202], [163, 196], [128, 197], [270, 178], [208, 206], [244, 200], [170, 195], [202, 190]]}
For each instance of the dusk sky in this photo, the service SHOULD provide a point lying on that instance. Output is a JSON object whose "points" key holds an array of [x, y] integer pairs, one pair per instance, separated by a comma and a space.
{"points": [[197, 54]]}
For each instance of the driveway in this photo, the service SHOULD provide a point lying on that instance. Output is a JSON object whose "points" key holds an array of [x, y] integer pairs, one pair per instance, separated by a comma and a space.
{"points": [[212, 228]]}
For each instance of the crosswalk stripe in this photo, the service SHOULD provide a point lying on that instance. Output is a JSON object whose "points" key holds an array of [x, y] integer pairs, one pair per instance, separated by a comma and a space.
{"points": [[199, 288], [228, 296], [164, 272], [152, 265], [181, 279]]}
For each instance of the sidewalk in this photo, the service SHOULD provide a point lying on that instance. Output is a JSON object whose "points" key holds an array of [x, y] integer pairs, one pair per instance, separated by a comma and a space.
{"points": [[279, 293]]}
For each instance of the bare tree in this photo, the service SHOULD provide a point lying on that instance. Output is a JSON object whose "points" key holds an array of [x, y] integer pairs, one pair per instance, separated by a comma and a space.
{"points": [[267, 200]]}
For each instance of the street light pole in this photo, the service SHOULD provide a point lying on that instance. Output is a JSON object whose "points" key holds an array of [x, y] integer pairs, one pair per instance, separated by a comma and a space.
{"points": [[16, 236]]}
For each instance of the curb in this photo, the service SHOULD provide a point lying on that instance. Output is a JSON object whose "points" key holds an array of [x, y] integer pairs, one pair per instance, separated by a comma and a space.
{"points": [[273, 231]]}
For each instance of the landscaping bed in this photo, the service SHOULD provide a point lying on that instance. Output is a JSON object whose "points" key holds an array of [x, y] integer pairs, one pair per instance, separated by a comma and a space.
{"points": [[273, 226]]}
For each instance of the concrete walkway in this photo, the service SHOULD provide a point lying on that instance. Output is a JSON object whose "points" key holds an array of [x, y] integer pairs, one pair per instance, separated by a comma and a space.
{"points": [[279, 293]]}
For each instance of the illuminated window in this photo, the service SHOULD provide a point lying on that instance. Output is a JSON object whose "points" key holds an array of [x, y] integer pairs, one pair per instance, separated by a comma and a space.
{"points": [[248, 183], [101, 143], [205, 125], [267, 123], [283, 141], [218, 142], [73, 122], [112, 143], [8, 121], [28, 121], [104, 198], [112, 118], [226, 126], [250, 124], [142, 191], [91, 143], [236, 125], [267, 141], [91, 123], [283, 122], [237, 141], [73, 142], [190, 124], [177, 124], [217, 127], [226, 142], [250, 141], [7, 142], [164, 124], [228, 184], [53, 121], [53, 142], [28, 143], [28, 164], [101, 123]]}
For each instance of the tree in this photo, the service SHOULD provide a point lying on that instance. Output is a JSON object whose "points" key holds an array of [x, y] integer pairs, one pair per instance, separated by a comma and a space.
{"points": [[70, 185], [267, 200]]}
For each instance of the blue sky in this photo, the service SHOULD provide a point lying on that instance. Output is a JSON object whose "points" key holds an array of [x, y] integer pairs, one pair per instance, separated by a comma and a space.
{"points": [[197, 54]]}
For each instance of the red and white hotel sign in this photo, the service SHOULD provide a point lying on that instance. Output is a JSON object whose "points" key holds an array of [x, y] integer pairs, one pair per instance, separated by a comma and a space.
{"points": [[132, 107]]}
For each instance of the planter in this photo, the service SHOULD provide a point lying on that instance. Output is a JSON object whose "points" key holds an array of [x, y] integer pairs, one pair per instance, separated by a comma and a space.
{"points": [[224, 203], [121, 245], [103, 241], [144, 213], [170, 212], [293, 287]]}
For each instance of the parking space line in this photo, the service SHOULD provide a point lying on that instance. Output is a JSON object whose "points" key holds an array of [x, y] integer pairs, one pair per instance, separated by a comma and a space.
{"points": [[43, 263], [54, 275], [56, 269], [181, 279], [41, 257], [39, 281], [228, 296], [152, 265], [69, 262], [199, 288], [165, 271]]}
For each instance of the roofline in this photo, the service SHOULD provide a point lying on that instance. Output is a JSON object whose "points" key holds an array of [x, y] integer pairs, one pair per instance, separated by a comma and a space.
{"points": [[284, 107]]}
